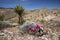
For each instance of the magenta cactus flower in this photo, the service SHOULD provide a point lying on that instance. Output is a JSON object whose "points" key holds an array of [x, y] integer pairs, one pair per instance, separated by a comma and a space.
{"points": [[31, 28], [37, 25]]}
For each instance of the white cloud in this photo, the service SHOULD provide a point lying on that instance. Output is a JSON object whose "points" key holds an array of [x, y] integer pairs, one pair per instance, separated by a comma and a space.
{"points": [[23, 0]]}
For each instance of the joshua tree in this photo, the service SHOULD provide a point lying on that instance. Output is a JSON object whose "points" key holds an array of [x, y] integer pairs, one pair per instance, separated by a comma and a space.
{"points": [[19, 10]]}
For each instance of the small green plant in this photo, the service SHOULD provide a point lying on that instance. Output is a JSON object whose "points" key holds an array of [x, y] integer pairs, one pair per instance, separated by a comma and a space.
{"points": [[35, 16], [51, 20], [37, 20], [46, 15], [30, 16], [41, 21], [42, 15], [1, 18], [56, 23]]}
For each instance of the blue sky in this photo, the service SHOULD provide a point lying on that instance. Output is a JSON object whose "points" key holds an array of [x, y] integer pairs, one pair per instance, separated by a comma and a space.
{"points": [[31, 4]]}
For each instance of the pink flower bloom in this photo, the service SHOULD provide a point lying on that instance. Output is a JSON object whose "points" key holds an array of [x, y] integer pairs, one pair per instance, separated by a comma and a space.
{"points": [[37, 25], [31, 28]]}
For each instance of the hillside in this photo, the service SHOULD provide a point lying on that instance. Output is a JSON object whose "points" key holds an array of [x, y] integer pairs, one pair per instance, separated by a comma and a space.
{"points": [[9, 13], [36, 15], [48, 18]]}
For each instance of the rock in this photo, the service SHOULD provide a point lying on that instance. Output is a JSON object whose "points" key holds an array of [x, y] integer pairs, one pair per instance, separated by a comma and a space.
{"points": [[6, 35]]}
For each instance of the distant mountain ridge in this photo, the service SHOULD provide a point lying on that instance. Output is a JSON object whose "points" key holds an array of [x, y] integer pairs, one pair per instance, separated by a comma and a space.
{"points": [[5, 8]]}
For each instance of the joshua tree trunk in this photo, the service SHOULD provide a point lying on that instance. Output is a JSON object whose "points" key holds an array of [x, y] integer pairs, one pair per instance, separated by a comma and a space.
{"points": [[19, 20]]}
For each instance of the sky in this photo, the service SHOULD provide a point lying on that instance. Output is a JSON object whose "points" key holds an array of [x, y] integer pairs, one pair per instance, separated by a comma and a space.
{"points": [[31, 4]]}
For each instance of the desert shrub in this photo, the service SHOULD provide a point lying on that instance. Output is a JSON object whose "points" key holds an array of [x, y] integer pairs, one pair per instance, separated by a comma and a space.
{"points": [[41, 14], [57, 23], [46, 15], [5, 23], [54, 23], [35, 16], [37, 20], [41, 21], [30, 16], [1, 18], [51, 20], [55, 14]]}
